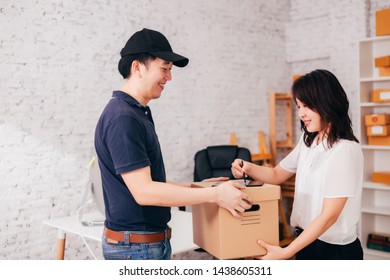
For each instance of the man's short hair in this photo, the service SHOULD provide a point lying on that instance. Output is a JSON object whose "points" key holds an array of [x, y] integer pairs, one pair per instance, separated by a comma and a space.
{"points": [[124, 64]]}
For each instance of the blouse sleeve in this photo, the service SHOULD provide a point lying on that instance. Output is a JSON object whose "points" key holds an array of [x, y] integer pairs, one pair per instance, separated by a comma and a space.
{"points": [[344, 171], [290, 162]]}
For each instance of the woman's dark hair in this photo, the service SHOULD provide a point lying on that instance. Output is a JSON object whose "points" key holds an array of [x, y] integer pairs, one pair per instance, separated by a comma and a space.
{"points": [[124, 64], [322, 92]]}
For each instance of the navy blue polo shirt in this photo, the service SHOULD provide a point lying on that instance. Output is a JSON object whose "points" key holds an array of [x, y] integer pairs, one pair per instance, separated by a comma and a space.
{"points": [[126, 140]]}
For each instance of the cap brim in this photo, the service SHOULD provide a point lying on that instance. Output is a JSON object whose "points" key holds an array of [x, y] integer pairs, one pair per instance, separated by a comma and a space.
{"points": [[175, 58]]}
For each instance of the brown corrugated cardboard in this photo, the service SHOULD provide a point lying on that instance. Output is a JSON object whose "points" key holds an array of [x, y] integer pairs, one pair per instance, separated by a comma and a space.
{"points": [[379, 140], [380, 95], [377, 119], [224, 236], [378, 130], [381, 177], [383, 22], [384, 71], [383, 61], [296, 77]]}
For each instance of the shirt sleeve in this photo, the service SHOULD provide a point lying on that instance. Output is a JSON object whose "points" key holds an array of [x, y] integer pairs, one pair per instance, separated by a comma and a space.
{"points": [[290, 162], [126, 143], [344, 171]]}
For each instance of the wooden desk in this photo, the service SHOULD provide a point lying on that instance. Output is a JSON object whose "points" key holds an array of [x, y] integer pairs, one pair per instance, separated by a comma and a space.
{"points": [[181, 223]]}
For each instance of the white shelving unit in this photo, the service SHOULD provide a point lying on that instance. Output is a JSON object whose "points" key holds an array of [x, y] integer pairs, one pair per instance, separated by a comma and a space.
{"points": [[375, 214]]}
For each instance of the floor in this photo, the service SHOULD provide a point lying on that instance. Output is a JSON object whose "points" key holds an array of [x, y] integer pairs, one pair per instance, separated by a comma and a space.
{"points": [[193, 255]]}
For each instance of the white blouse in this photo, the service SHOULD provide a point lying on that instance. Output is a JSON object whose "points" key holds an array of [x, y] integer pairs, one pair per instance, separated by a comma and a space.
{"points": [[325, 173]]}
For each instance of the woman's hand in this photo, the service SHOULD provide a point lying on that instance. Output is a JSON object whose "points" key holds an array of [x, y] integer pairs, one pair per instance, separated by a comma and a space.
{"points": [[238, 168], [272, 252]]}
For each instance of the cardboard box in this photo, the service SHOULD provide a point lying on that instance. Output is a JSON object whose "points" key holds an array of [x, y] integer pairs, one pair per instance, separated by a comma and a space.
{"points": [[381, 177], [379, 140], [383, 61], [378, 130], [296, 77], [384, 71], [383, 22], [380, 95], [227, 237], [377, 119]]}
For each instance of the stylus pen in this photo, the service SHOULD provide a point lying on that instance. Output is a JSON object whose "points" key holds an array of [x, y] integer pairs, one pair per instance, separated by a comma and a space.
{"points": [[242, 165]]}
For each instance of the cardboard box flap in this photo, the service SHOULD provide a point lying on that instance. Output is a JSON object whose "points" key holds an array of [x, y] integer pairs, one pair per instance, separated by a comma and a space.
{"points": [[262, 193]]}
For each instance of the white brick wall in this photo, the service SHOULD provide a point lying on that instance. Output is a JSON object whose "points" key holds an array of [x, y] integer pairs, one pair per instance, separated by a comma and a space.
{"points": [[58, 68], [236, 56]]}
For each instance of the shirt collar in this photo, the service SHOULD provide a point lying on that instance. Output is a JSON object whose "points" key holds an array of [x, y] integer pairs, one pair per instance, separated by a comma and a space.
{"points": [[133, 102], [322, 146], [126, 97]]}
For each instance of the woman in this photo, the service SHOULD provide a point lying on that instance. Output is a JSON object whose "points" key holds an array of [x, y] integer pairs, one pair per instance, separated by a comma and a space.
{"points": [[328, 164]]}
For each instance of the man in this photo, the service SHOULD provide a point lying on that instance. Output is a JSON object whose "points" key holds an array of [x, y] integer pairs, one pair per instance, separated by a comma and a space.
{"points": [[136, 195]]}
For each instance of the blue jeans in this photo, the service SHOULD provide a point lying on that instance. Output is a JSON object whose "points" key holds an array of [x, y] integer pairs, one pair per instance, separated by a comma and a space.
{"points": [[137, 251]]}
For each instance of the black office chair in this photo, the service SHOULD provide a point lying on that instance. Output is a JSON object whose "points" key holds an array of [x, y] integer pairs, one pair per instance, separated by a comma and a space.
{"points": [[215, 161]]}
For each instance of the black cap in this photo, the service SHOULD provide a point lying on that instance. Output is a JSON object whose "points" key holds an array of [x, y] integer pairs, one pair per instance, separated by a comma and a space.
{"points": [[154, 43]]}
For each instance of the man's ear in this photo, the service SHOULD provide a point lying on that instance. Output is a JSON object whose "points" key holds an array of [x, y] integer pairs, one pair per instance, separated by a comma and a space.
{"points": [[135, 68]]}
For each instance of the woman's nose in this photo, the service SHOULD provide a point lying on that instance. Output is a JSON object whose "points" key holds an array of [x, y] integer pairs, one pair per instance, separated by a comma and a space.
{"points": [[301, 112]]}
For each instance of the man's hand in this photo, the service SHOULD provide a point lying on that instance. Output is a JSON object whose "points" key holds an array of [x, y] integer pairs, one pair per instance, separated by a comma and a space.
{"points": [[230, 197]]}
